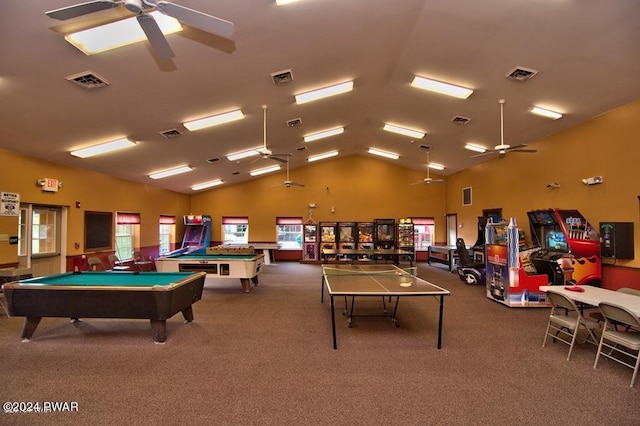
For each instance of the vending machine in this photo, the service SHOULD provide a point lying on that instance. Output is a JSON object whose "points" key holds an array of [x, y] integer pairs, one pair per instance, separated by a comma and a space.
{"points": [[405, 235], [365, 236], [347, 234], [385, 231]]}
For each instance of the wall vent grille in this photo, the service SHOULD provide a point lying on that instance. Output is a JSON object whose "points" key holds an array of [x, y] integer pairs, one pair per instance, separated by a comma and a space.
{"points": [[282, 77], [88, 80], [171, 133], [521, 74], [458, 119]]}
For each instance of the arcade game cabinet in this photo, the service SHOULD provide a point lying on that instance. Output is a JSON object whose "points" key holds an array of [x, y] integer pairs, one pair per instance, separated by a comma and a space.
{"points": [[197, 235], [510, 279], [569, 247]]}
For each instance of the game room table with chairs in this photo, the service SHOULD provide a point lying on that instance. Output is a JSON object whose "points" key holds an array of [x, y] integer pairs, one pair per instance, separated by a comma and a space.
{"points": [[156, 296]]}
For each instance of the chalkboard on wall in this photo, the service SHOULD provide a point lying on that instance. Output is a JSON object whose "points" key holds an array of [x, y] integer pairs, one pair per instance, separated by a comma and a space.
{"points": [[98, 231]]}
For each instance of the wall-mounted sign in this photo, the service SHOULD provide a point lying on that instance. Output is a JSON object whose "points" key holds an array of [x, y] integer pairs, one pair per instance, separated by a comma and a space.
{"points": [[9, 204], [49, 184]]}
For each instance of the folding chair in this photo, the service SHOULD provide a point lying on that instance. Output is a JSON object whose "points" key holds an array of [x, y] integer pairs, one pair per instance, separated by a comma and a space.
{"points": [[142, 263], [597, 316], [95, 264], [615, 341], [565, 322], [116, 264]]}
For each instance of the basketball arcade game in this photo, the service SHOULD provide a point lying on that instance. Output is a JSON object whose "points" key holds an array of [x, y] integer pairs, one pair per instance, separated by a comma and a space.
{"points": [[569, 247], [197, 235], [510, 277]]}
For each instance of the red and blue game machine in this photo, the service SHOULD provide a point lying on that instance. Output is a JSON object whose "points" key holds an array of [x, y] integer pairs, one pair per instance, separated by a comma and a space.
{"points": [[197, 235], [569, 247]]}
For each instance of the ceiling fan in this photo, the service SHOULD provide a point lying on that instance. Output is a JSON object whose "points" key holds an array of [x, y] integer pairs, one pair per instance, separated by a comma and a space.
{"points": [[264, 151], [428, 179], [288, 182], [503, 148], [159, 44]]}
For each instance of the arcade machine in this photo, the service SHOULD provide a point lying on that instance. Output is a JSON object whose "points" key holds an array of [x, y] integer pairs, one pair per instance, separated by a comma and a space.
{"points": [[328, 236], [569, 247], [405, 236], [197, 235], [510, 278], [347, 234], [385, 233], [365, 235]]}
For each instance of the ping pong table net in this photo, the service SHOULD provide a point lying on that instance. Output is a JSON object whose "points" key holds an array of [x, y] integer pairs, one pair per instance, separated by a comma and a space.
{"points": [[357, 271]]}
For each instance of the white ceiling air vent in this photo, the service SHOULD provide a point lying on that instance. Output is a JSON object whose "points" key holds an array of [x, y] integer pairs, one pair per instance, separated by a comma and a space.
{"points": [[458, 119], [171, 133], [282, 77], [521, 74], [88, 80], [294, 122]]}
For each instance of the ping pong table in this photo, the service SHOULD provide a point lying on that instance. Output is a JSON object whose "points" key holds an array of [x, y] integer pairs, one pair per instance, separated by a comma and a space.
{"points": [[385, 281]]}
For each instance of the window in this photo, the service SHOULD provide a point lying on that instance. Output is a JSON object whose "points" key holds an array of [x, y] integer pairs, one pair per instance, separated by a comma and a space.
{"points": [[235, 230], [289, 231], [127, 227], [22, 233], [166, 232], [43, 231], [424, 229]]}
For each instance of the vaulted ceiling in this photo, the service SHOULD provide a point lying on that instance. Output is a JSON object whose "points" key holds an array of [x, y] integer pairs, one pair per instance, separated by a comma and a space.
{"points": [[585, 53]]}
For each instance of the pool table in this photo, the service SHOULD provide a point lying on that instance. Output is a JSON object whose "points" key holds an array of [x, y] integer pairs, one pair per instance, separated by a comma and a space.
{"points": [[246, 267], [155, 296]]}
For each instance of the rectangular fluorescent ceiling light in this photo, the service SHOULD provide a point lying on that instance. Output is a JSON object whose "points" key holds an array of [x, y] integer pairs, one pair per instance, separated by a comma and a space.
{"points": [[440, 87], [265, 170], [322, 156], [170, 172], [283, 2], [118, 34], [214, 120], [435, 166], [103, 148], [545, 113], [243, 154], [325, 92], [207, 185], [383, 153], [323, 134], [417, 134], [476, 148]]}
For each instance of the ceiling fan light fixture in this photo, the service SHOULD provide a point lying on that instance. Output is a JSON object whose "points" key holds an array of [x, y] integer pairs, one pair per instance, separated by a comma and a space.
{"points": [[416, 134], [206, 185], [264, 170], [324, 134], [543, 112], [214, 120], [322, 156], [441, 87], [243, 154], [382, 153], [476, 148], [170, 172], [117, 34], [103, 148], [325, 92]]}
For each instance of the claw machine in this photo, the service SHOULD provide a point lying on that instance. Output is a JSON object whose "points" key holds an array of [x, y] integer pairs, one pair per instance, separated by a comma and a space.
{"points": [[347, 234], [365, 235], [328, 236], [405, 233], [385, 231], [511, 279]]}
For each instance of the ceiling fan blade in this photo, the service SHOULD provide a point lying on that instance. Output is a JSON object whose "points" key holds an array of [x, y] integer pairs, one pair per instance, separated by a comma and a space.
{"points": [[197, 19], [488, 152], [523, 150], [157, 40], [81, 9]]}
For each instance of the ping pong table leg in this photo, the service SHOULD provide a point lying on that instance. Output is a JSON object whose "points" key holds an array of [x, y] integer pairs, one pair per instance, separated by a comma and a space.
{"points": [[333, 323], [440, 322]]}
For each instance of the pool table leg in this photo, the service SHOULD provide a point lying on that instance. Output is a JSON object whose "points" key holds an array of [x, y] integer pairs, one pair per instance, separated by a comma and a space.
{"points": [[29, 326], [187, 313], [159, 330], [246, 285]]}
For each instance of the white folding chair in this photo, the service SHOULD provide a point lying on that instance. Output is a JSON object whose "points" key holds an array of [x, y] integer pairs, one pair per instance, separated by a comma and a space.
{"points": [[614, 342], [95, 264], [565, 322]]}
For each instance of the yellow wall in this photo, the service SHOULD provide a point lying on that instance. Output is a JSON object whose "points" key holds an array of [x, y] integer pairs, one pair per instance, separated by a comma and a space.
{"points": [[607, 145], [358, 188], [94, 191]]}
